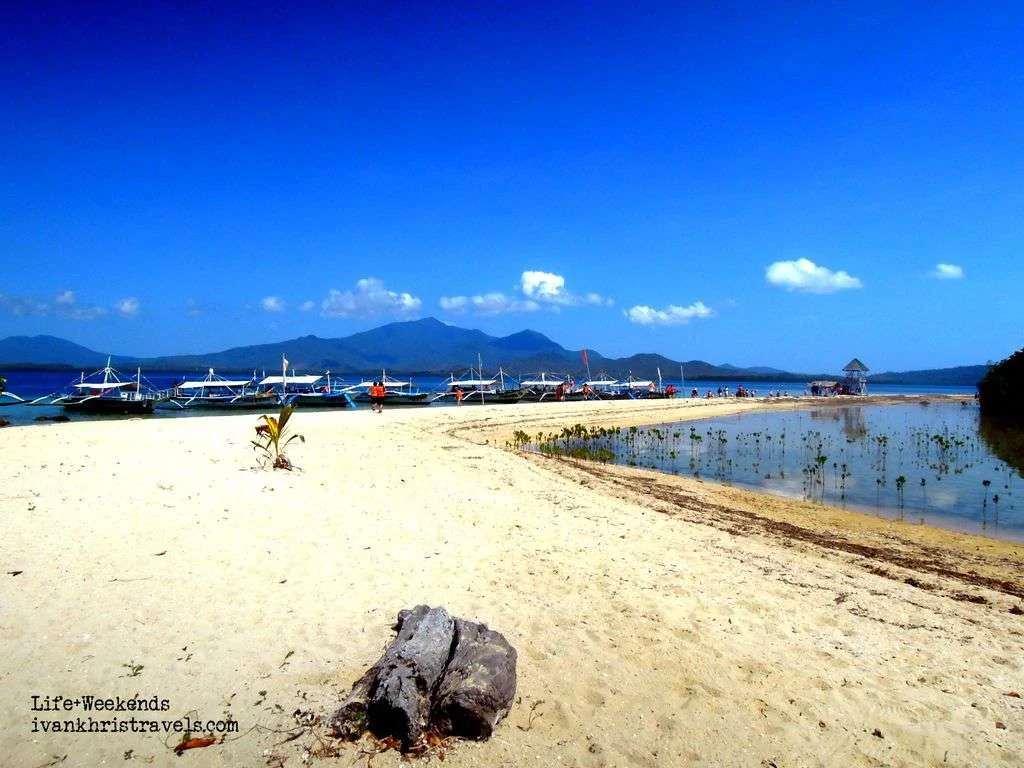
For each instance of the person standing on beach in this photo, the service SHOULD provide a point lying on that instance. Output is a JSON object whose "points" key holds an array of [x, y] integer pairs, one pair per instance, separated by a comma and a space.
{"points": [[458, 395], [376, 397]]}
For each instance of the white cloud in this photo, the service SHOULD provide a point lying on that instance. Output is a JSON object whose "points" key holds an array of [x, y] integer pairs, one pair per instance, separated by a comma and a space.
{"points": [[804, 275], [671, 315], [487, 304], [307, 306], [63, 305], [369, 299], [66, 305], [82, 313], [128, 307], [549, 288], [22, 307], [454, 303], [948, 272], [543, 286], [272, 304], [539, 290]]}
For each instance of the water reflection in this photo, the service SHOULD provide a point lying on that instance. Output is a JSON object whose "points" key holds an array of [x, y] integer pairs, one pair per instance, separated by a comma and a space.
{"points": [[909, 461], [1005, 442], [852, 418]]}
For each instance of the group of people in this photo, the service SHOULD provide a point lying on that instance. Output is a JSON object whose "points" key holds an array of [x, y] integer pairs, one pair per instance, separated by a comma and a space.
{"points": [[377, 394]]}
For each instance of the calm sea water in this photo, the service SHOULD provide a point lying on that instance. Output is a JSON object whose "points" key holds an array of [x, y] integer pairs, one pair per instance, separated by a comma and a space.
{"points": [[32, 384], [926, 463]]}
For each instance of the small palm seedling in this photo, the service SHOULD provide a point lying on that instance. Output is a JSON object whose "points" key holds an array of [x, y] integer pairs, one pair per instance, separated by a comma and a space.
{"points": [[272, 438]]}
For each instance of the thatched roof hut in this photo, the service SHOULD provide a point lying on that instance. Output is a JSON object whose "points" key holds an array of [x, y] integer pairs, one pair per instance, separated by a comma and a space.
{"points": [[855, 366]]}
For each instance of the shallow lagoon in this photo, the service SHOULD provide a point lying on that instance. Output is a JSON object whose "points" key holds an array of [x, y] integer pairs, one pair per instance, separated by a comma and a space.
{"points": [[915, 462]]}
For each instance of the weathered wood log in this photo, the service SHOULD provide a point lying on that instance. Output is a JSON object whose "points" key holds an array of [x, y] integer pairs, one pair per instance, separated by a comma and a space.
{"points": [[401, 700], [394, 697], [479, 684], [450, 676], [349, 720]]}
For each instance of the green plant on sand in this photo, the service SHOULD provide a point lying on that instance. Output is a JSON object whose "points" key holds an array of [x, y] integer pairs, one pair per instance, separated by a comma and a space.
{"points": [[272, 438]]}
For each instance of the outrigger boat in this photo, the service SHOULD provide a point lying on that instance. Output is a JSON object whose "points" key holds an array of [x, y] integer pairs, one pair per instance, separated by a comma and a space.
{"points": [[638, 389], [396, 392], [308, 391], [111, 395], [546, 388], [602, 389], [217, 393], [476, 390]]}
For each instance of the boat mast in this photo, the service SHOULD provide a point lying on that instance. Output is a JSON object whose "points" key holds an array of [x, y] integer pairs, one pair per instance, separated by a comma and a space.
{"points": [[480, 376]]}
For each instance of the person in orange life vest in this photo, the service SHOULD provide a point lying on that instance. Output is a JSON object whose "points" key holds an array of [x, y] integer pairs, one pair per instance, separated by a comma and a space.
{"points": [[458, 395]]}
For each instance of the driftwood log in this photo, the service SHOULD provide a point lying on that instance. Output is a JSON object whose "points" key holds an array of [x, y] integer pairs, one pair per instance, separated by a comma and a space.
{"points": [[442, 675]]}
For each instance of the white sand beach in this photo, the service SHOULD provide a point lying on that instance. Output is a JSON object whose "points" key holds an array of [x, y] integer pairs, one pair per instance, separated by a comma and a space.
{"points": [[660, 621]]}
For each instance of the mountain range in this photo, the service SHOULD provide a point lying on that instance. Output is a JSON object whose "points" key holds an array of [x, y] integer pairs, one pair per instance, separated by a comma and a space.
{"points": [[426, 346]]}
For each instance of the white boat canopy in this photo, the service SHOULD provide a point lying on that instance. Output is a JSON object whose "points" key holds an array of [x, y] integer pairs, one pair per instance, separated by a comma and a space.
{"points": [[602, 382], [472, 383], [542, 382], [636, 384], [311, 379], [225, 384], [103, 385], [388, 384]]}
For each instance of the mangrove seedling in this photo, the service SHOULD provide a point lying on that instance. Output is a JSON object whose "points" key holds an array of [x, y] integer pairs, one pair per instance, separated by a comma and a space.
{"points": [[272, 437]]}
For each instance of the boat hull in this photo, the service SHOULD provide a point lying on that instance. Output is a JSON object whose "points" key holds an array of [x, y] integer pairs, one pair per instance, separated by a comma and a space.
{"points": [[110, 405], [396, 398], [222, 404], [490, 398], [321, 401]]}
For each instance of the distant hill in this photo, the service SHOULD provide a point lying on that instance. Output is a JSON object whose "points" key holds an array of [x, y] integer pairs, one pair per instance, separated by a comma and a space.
{"points": [[964, 375], [429, 346], [40, 351]]}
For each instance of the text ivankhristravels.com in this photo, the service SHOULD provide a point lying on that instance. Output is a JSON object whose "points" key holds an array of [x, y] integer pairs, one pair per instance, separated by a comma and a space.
{"points": [[88, 713]]}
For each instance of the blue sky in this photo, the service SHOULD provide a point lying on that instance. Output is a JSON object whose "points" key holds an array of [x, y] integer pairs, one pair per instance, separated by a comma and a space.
{"points": [[786, 184]]}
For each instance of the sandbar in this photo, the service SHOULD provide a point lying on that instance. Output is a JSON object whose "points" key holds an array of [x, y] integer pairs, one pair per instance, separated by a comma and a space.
{"points": [[659, 620]]}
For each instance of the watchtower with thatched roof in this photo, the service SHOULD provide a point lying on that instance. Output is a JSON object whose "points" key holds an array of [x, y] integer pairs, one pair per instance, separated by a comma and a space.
{"points": [[856, 380]]}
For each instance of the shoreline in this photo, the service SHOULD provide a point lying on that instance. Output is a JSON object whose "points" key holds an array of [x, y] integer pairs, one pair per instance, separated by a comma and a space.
{"points": [[657, 622]]}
